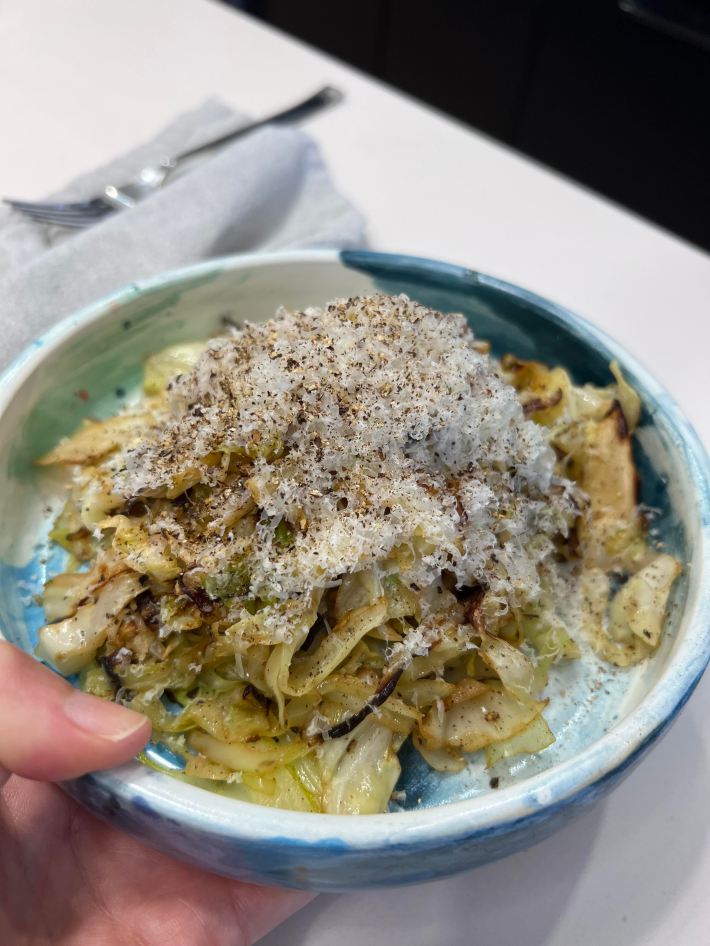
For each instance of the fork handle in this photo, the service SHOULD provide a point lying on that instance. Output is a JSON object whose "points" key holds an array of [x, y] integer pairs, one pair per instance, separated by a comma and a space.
{"points": [[154, 177], [324, 97]]}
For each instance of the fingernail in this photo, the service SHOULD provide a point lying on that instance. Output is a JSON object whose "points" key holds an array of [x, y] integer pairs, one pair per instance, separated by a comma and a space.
{"points": [[100, 718]]}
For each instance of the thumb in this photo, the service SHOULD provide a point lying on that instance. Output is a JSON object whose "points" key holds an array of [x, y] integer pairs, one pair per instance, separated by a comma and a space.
{"points": [[50, 731]]}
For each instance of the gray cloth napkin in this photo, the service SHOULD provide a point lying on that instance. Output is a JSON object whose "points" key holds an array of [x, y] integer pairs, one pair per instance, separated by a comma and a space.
{"points": [[267, 191]]}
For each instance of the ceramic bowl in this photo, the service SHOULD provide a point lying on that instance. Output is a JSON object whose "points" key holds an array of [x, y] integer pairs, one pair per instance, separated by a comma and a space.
{"points": [[604, 723]]}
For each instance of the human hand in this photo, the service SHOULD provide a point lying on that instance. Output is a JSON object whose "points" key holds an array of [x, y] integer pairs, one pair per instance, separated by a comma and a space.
{"points": [[68, 879]]}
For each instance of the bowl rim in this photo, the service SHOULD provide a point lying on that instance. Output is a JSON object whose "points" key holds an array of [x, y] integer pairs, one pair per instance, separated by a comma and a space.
{"points": [[496, 812]]}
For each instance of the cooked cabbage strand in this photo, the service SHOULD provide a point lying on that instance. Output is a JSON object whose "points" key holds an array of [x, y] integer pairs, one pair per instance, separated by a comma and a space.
{"points": [[321, 536]]}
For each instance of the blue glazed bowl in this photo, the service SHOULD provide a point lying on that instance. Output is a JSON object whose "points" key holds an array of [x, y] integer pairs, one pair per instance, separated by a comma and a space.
{"points": [[603, 724]]}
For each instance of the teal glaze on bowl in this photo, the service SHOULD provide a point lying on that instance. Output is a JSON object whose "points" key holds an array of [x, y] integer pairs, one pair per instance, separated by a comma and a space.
{"points": [[91, 363]]}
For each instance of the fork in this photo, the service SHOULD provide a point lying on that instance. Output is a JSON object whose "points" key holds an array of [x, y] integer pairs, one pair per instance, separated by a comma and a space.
{"points": [[84, 213]]}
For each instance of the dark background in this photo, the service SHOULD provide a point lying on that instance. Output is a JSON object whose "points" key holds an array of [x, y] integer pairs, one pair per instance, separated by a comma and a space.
{"points": [[613, 93]]}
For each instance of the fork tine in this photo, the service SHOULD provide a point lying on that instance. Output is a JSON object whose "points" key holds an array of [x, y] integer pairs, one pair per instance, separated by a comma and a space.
{"points": [[56, 216], [61, 220], [64, 218], [71, 223], [75, 215], [61, 214], [79, 206]]}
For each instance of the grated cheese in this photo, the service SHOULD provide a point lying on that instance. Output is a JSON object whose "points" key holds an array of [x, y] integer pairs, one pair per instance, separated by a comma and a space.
{"points": [[378, 432]]}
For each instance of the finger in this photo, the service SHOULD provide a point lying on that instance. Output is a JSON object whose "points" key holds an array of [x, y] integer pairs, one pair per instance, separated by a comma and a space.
{"points": [[51, 731], [260, 909]]}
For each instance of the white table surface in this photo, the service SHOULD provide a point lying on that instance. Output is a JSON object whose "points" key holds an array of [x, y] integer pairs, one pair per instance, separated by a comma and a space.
{"points": [[84, 79]]}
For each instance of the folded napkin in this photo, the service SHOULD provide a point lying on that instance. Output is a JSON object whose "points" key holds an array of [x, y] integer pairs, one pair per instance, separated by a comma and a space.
{"points": [[267, 191]]}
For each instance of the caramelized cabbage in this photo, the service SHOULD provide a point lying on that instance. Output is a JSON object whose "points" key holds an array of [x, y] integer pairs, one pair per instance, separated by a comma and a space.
{"points": [[536, 736], [72, 643], [168, 364], [301, 696]]}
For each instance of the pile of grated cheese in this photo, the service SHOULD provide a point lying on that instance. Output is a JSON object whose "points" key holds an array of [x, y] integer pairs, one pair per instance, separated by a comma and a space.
{"points": [[379, 433]]}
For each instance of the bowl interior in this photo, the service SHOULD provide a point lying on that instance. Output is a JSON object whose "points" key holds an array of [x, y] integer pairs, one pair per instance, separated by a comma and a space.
{"points": [[95, 367]]}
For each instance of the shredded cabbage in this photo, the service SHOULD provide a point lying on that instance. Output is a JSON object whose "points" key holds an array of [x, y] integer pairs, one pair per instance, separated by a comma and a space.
{"points": [[536, 736], [168, 364], [301, 695], [70, 644]]}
